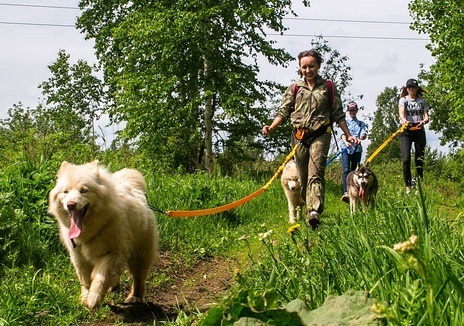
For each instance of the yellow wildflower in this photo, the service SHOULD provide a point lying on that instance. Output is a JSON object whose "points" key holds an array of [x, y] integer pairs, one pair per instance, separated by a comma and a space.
{"points": [[293, 228]]}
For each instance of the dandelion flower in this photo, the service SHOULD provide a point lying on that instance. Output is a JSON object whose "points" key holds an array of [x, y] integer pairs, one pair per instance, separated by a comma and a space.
{"points": [[293, 228], [378, 308]]}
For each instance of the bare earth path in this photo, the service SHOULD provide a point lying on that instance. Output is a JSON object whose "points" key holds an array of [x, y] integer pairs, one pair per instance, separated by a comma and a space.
{"points": [[190, 290]]}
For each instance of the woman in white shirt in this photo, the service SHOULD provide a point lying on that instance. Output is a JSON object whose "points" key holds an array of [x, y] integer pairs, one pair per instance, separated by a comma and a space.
{"points": [[413, 111]]}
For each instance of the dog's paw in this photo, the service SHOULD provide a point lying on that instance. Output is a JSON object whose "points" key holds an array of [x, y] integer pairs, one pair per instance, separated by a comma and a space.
{"points": [[132, 299], [84, 295], [93, 300]]}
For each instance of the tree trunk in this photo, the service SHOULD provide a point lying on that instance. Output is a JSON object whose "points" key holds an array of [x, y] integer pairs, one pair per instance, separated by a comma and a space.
{"points": [[209, 161]]}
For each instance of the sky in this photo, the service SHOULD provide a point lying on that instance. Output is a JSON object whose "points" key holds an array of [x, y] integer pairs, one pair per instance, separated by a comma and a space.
{"points": [[374, 35]]}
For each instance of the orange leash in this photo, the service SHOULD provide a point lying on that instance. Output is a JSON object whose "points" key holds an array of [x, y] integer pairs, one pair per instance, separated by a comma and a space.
{"points": [[239, 202], [215, 210]]}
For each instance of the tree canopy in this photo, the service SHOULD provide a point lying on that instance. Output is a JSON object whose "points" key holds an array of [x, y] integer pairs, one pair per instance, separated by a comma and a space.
{"points": [[443, 21], [181, 72], [62, 126]]}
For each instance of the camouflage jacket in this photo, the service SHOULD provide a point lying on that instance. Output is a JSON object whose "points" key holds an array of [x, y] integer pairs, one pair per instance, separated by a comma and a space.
{"points": [[310, 108]]}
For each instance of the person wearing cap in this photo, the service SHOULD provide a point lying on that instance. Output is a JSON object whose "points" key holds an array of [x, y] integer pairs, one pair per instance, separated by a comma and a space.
{"points": [[351, 152], [413, 111]]}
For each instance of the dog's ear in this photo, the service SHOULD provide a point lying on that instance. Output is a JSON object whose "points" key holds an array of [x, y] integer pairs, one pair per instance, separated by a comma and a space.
{"points": [[63, 167]]}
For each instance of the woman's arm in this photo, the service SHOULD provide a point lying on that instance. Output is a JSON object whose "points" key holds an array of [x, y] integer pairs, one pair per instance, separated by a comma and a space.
{"points": [[268, 129]]}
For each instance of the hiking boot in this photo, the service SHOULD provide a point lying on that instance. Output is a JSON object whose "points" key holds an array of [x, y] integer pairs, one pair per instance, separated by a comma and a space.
{"points": [[313, 220], [345, 198]]}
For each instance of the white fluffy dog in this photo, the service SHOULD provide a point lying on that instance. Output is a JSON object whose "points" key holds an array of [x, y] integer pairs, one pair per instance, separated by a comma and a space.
{"points": [[292, 189], [107, 227]]}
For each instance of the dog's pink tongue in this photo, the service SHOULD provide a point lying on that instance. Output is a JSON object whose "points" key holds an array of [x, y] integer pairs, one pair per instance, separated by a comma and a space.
{"points": [[361, 192], [76, 224]]}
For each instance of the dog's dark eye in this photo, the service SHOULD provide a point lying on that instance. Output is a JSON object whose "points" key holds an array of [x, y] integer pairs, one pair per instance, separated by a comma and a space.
{"points": [[65, 191], [84, 190]]}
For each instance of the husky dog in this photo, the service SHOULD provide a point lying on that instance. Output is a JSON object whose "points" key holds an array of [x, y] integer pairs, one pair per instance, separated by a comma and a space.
{"points": [[292, 189], [107, 226], [362, 185]]}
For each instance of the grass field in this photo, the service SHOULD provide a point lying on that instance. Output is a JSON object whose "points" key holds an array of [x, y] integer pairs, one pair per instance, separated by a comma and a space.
{"points": [[417, 282]]}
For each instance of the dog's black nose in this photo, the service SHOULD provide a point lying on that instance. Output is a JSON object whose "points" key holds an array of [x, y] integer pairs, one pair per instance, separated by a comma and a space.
{"points": [[71, 205]]}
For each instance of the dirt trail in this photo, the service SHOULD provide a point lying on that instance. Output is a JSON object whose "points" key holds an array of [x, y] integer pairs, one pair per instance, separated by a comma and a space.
{"points": [[191, 290]]}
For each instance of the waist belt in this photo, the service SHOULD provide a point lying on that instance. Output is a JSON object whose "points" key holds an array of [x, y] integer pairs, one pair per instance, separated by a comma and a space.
{"points": [[414, 127], [306, 136]]}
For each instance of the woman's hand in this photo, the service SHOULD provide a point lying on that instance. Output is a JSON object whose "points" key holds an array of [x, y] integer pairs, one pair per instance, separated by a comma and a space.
{"points": [[266, 130], [353, 140], [423, 122]]}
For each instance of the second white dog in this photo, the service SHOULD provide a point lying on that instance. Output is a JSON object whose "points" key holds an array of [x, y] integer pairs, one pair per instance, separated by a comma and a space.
{"points": [[292, 189]]}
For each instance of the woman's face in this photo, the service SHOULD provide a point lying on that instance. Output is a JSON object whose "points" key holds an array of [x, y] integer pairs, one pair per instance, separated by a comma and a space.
{"points": [[412, 91], [309, 68], [352, 113]]}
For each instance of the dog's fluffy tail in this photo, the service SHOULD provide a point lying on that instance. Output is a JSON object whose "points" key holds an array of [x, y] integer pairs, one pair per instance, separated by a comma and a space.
{"points": [[132, 179]]}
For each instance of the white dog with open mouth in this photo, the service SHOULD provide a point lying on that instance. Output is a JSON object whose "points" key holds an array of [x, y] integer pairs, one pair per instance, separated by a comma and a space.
{"points": [[107, 226]]}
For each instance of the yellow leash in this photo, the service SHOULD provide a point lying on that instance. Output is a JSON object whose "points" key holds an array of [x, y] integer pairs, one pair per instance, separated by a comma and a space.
{"points": [[385, 143], [223, 208], [239, 202]]}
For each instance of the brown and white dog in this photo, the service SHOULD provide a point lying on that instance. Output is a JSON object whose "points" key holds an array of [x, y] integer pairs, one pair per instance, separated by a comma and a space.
{"points": [[362, 186], [292, 188]]}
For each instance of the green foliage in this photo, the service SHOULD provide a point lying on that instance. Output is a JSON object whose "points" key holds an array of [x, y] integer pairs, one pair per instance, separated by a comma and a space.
{"points": [[259, 306], [64, 127], [27, 233], [30, 134], [48, 292], [443, 22], [74, 99], [348, 252], [32, 296], [413, 282], [184, 76], [165, 61]]}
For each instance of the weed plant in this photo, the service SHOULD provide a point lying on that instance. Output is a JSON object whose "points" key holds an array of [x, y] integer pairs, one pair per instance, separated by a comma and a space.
{"points": [[27, 233], [37, 281], [420, 285], [402, 253]]}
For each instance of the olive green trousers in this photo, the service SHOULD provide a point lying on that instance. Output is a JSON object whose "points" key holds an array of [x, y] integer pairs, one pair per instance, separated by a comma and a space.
{"points": [[310, 159]]}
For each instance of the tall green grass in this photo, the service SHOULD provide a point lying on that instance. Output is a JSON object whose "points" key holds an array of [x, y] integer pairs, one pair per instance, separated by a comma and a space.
{"points": [[421, 285], [403, 253], [35, 271]]}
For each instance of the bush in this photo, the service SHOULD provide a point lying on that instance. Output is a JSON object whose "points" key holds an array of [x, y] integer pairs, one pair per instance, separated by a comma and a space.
{"points": [[27, 232]]}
